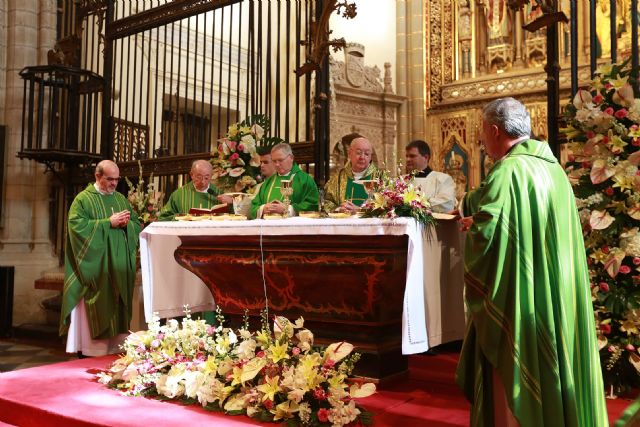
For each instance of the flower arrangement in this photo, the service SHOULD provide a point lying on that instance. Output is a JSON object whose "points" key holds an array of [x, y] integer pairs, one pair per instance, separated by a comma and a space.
{"points": [[268, 376], [395, 197], [236, 166], [603, 130], [146, 203]]}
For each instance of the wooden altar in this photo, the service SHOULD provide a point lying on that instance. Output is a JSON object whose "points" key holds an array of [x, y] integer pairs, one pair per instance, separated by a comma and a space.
{"points": [[346, 287], [387, 286]]}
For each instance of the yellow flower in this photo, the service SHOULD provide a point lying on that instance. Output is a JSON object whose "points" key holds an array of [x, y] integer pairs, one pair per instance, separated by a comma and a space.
{"points": [[624, 182], [237, 376], [618, 82], [269, 388], [233, 130], [284, 410], [263, 338], [379, 201], [604, 70], [409, 196], [278, 352], [211, 365], [630, 326], [245, 130], [598, 256]]}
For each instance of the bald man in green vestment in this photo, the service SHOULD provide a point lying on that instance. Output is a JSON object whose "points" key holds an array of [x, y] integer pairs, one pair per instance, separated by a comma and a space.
{"points": [[100, 266], [342, 192], [530, 355], [269, 199], [197, 193]]}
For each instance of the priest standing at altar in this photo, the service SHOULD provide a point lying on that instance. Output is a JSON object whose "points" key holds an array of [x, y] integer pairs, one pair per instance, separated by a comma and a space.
{"points": [[342, 192], [530, 354], [100, 266], [198, 193], [269, 199]]}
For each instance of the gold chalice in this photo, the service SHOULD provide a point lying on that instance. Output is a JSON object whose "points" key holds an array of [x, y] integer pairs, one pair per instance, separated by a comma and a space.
{"points": [[287, 191], [369, 185]]}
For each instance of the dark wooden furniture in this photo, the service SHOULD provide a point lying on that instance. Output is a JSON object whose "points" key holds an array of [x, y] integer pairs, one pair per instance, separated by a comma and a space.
{"points": [[346, 287]]}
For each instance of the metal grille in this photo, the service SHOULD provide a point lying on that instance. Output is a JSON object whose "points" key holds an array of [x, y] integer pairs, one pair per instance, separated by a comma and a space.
{"points": [[187, 80]]}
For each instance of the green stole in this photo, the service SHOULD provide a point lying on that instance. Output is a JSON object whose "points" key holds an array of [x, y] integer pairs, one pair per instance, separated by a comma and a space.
{"points": [[100, 263]]}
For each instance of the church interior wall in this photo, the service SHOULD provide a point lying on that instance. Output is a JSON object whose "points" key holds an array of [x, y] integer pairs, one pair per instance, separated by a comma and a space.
{"points": [[24, 242]]}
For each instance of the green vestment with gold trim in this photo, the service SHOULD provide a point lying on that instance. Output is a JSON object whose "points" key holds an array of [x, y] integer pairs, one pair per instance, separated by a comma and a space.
{"points": [[341, 187], [100, 263], [305, 191], [187, 197], [528, 296]]}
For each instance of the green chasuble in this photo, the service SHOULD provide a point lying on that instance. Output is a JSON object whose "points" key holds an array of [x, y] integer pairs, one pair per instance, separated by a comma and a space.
{"points": [[341, 187], [187, 197], [100, 263], [305, 192], [528, 296]]}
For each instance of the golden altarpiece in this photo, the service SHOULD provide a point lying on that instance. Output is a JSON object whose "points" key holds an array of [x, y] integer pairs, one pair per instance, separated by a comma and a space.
{"points": [[475, 51]]}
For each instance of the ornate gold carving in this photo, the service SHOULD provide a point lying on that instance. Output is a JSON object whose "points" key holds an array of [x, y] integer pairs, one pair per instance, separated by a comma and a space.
{"points": [[434, 43], [523, 82]]}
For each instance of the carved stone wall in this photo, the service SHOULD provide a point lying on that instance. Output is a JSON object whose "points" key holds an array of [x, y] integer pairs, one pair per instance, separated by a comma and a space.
{"points": [[365, 103]]}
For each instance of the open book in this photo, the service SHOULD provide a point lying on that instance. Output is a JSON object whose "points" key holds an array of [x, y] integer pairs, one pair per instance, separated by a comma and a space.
{"points": [[217, 209]]}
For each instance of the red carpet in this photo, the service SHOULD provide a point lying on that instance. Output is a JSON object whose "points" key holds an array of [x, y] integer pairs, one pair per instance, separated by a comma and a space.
{"points": [[66, 394]]}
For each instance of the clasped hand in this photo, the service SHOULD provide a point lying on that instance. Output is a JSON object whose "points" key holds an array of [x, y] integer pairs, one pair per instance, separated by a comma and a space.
{"points": [[349, 207], [120, 219], [275, 207]]}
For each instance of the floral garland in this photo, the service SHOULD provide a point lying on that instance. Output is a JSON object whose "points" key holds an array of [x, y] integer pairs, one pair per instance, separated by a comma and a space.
{"points": [[269, 377], [146, 203], [603, 131], [236, 166], [398, 197]]}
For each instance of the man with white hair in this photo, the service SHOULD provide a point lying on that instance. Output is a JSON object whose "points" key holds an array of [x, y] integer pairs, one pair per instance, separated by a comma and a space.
{"points": [[342, 191], [99, 266], [530, 355], [269, 199]]}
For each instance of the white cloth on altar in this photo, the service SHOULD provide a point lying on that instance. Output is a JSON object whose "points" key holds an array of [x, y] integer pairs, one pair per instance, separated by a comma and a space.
{"points": [[168, 287]]}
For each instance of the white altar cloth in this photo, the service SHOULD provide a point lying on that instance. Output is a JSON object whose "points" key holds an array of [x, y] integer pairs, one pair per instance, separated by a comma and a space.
{"points": [[434, 269]]}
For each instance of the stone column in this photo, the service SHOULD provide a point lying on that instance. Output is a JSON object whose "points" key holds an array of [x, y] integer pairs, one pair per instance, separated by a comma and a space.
{"points": [[410, 74], [24, 241]]}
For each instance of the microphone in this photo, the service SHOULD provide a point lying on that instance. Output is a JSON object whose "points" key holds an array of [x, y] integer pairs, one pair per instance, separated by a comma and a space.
{"points": [[212, 192]]}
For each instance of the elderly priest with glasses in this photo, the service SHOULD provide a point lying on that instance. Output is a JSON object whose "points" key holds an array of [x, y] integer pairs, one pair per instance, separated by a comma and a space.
{"points": [[198, 193], [270, 200]]}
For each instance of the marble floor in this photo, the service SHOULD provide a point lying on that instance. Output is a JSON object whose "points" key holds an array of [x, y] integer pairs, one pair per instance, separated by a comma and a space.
{"points": [[22, 351]]}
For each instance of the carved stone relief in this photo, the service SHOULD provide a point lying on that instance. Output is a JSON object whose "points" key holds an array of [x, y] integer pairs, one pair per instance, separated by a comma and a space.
{"points": [[363, 102]]}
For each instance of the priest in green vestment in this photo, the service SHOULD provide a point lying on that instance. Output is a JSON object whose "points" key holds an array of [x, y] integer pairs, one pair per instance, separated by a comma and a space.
{"points": [[269, 199], [342, 192], [198, 193], [100, 266], [530, 347]]}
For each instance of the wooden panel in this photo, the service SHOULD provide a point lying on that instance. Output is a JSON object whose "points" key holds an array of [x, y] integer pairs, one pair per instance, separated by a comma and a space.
{"points": [[346, 287]]}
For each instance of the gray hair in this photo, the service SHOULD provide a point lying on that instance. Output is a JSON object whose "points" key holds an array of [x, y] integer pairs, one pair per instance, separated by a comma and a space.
{"points": [[510, 115], [284, 147]]}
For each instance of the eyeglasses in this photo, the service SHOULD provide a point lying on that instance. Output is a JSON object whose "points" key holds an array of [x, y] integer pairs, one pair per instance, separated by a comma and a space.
{"points": [[202, 177], [111, 179], [278, 161]]}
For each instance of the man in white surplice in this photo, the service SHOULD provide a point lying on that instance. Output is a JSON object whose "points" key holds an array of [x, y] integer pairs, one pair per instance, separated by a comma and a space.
{"points": [[438, 187]]}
